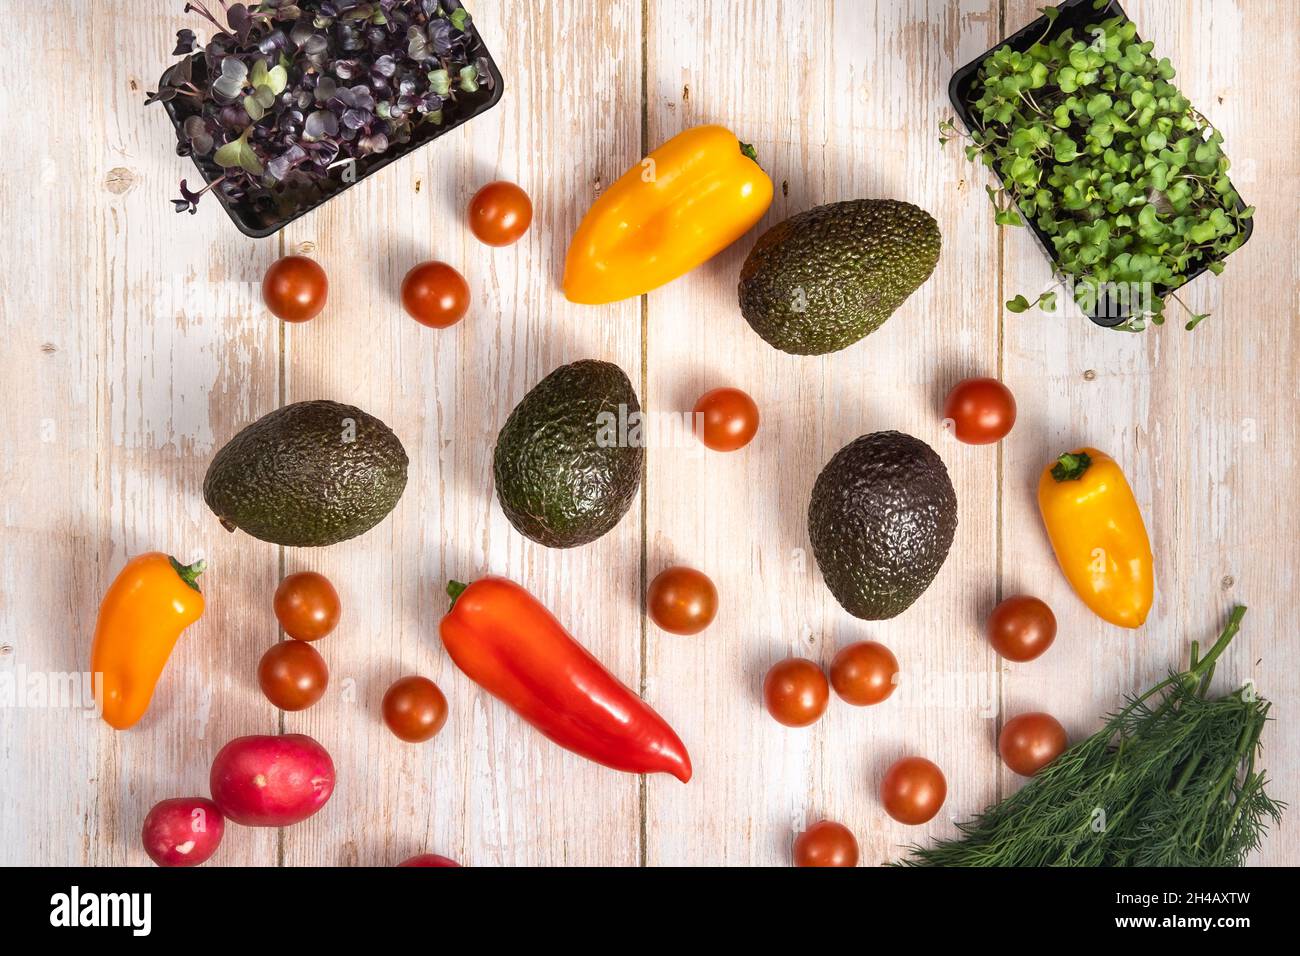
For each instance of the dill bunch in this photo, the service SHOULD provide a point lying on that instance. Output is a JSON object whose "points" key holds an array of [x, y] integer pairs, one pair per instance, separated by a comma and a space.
{"points": [[1170, 780]]}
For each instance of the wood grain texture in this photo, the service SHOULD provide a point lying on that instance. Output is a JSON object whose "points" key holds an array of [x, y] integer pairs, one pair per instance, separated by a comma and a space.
{"points": [[137, 345], [138, 351], [488, 790], [844, 113], [1202, 422]]}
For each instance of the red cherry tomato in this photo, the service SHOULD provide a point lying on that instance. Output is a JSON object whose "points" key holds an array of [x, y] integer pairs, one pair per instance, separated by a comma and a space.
{"points": [[307, 606], [435, 294], [414, 709], [913, 790], [982, 411], [1029, 742], [795, 692], [429, 859], [730, 418], [1021, 628], [863, 673], [295, 288], [183, 831], [682, 600], [826, 844], [500, 213], [292, 675]]}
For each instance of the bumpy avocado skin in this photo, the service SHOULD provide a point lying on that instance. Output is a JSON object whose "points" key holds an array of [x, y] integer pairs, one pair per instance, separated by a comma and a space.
{"points": [[882, 518], [307, 475], [563, 475], [823, 279]]}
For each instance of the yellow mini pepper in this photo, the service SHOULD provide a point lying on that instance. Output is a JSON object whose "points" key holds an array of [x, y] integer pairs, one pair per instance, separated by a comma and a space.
{"points": [[1098, 535], [677, 208]]}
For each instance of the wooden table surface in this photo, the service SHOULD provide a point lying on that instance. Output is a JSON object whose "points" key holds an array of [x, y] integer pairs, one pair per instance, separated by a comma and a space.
{"points": [[136, 345]]}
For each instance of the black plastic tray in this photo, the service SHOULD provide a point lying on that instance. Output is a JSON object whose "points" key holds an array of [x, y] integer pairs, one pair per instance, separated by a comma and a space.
{"points": [[962, 92], [257, 224]]}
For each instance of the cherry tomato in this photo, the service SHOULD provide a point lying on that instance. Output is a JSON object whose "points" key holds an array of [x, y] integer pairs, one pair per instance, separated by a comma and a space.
{"points": [[295, 288], [435, 294], [982, 410], [826, 844], [293, 675], [730, 418], [307, 606], [500, 213], [429, 859], [1021, 628], [795, 692], [863, 673], [682, 600], [913, 790], [414, 709], [1029, 742]]}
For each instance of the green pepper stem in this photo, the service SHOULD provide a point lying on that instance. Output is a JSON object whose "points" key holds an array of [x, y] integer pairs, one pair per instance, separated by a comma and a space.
{"points": [[747, 149], [189, 573], [454, 590], [1071, 466]]}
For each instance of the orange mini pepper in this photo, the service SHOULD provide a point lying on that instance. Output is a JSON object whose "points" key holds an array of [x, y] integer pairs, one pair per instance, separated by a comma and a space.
{"points": [[147, 606], [1098, 535], [676, 209]]}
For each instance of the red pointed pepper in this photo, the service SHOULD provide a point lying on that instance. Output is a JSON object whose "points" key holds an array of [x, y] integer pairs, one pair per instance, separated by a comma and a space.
{"points": [[514, 648]]}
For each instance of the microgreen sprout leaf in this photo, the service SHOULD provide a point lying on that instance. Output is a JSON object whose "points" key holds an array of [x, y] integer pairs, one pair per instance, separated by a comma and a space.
{"points": [[440, 82], [286, 91], [1097, 148], [1045, 301]]}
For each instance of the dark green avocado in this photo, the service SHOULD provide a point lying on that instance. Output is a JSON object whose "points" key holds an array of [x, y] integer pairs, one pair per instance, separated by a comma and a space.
{"points": [[882, 518], [566, 464], [307, 475], [823, 279]]}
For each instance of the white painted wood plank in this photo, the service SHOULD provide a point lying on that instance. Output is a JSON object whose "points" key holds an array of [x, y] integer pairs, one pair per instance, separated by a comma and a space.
{"points": [[489, 789], [134, 352], [137, 352], [840, 105], [1202, 422]]}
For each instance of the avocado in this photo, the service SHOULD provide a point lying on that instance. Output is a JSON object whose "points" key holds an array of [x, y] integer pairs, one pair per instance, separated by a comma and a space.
{"points": [[821, 280], [882, 518], [568, 460], [308, 474]]}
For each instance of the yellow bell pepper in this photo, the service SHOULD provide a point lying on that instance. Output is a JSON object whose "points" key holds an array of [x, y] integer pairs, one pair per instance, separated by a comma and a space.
{"points": [[677, 208], [1098, 535]]}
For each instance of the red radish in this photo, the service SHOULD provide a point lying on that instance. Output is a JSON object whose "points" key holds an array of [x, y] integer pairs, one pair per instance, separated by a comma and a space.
{"points": [[265, 781], [429, 859], [182, 831]]}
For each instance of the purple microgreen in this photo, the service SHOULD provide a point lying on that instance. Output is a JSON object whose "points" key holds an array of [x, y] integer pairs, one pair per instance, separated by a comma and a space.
{"points": [[185, 43], [286, 91], [321, 125], [196, 131]]}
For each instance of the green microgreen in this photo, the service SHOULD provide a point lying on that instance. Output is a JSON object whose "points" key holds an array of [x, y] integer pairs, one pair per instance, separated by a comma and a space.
{"points": [[1095, 145], [1046, 300]]}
